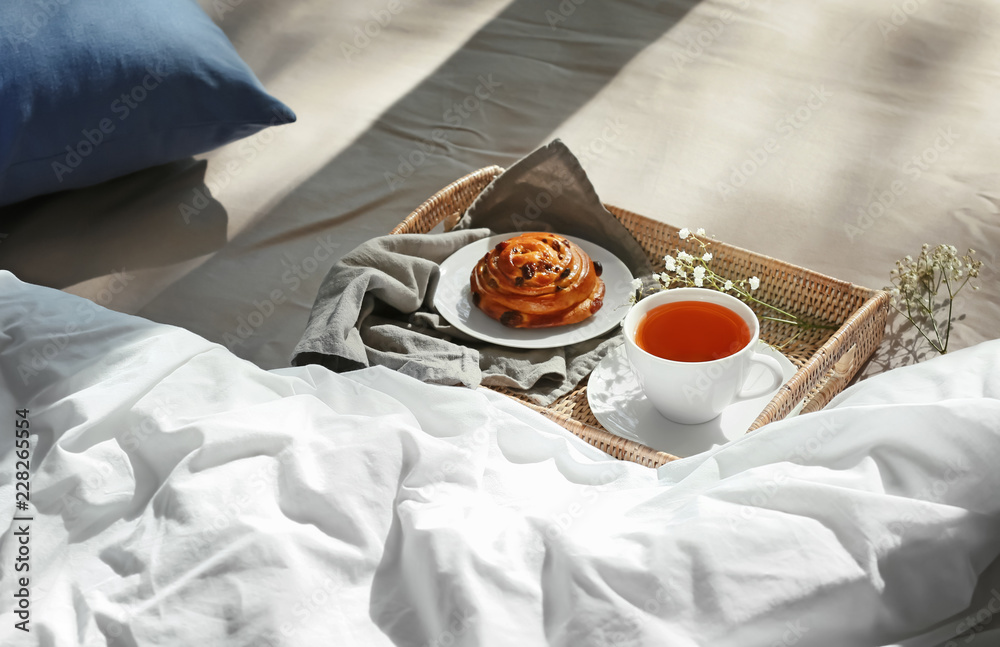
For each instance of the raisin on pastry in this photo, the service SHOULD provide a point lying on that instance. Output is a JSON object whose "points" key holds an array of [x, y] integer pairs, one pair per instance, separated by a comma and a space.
{"points": [[537, 280]]}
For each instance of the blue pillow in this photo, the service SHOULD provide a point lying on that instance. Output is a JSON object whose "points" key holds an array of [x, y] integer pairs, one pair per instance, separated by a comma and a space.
{"points": [[94, 89]]}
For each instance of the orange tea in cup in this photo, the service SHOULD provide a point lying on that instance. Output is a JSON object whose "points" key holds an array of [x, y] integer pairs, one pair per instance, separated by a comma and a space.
{"points": [[692, 331]]}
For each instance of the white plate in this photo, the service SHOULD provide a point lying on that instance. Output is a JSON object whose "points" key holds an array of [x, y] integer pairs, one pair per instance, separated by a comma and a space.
{"points": [[453, 299], [618, 403]]}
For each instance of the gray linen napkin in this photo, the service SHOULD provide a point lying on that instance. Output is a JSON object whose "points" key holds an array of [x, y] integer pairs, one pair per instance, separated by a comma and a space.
{"points": [[375, 305], [362, 314], [549, 191]]}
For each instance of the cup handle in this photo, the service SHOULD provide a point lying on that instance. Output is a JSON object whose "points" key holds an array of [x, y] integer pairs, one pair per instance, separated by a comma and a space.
{"points": [[773, 367]]}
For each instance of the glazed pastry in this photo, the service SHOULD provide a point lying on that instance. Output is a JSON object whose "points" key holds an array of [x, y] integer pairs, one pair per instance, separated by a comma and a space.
{"points": [[537, 280]]}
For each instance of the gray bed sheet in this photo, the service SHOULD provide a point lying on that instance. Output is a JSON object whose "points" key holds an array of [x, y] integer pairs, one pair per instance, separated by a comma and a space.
{"points": [[836, 134]]}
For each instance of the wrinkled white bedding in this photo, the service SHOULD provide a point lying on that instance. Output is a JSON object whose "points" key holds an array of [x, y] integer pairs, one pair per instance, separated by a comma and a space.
{"points": [[184, 496]]}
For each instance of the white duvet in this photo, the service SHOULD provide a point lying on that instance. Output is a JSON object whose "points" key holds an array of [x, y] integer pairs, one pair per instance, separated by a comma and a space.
{"points": [[182, 496]]}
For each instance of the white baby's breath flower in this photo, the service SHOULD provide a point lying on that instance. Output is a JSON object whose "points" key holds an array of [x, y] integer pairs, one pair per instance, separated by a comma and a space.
{"points": [[923, 286], [636, 284], [684, 269]]}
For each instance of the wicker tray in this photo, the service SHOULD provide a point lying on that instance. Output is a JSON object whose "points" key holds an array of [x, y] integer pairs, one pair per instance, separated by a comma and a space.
{"points": [[826, 359]]}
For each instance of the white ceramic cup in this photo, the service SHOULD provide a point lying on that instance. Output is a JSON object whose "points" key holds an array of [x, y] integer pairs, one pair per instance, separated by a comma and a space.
{"points": [[696, 392]]}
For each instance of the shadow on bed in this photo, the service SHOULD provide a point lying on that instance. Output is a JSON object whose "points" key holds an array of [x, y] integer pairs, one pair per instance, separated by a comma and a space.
{"points": [[508, 88], [133, 222], [513, 83]]}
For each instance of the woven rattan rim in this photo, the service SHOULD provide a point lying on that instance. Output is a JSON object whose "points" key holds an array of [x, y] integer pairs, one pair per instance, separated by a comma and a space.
{"points": [[826, 360]]}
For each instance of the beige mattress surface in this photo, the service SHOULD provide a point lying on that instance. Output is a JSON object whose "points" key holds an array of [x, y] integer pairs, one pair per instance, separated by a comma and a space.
{"points": [[836, 134]]}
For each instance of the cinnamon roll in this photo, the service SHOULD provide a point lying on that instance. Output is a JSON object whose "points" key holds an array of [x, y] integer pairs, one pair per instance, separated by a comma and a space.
{"points": [[537, 280]]}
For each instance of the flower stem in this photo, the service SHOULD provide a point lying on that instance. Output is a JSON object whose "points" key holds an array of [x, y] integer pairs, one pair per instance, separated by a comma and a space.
{"points": [[793, 320], [951, 302], [787, 321], [909, 317]]}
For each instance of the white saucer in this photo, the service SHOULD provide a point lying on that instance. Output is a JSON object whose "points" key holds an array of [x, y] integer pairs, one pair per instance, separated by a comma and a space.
{"points": [[618, 403]]}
